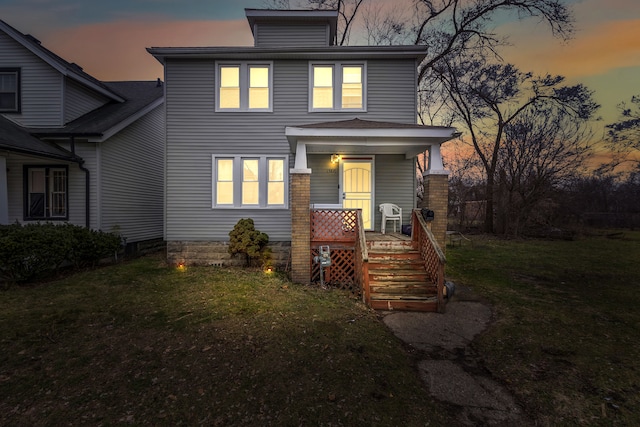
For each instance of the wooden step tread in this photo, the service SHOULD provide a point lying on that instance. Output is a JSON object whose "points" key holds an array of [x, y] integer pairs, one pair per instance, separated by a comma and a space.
{"points": [[403, 291], [391, 297], [424, 306]]}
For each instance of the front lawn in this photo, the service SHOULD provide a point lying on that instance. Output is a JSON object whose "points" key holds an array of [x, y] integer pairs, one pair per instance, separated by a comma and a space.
{"points": [[566, 336], [144, 344]]}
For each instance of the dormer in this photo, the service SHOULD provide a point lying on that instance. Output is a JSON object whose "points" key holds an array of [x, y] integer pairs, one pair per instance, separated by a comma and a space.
{"points": [[292, 28]]}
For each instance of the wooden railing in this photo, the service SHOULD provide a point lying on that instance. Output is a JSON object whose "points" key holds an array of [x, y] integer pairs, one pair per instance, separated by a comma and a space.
{"points": [[432, 256], [362, 261], [338, 229]]}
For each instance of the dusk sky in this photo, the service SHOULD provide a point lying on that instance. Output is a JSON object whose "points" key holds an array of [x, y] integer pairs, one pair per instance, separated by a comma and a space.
{"points": [[108, 38]]}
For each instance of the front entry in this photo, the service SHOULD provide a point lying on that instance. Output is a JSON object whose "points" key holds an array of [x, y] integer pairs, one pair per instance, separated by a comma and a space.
{"points": [[356, 187]]}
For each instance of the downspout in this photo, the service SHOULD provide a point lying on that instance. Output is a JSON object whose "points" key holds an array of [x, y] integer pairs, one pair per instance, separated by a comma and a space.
{"points": [[87, 184]]}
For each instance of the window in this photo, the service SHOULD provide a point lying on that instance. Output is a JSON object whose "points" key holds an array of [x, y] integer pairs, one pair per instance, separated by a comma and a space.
{"points": [[46, 192], [250, 182], [322, 87], [224, 182], [244, 87], [229, 87], [9, 90], [338, 86]]}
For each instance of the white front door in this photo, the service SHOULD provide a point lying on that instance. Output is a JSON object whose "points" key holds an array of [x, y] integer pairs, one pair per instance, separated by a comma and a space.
{"points": [[356, 187]]}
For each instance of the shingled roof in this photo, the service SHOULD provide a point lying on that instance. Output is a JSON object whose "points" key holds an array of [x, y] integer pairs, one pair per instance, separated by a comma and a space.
{"points": [[139, 97], [15, 138]]}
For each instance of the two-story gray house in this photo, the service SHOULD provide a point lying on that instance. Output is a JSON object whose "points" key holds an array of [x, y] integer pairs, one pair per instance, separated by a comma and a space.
{"points": [[77, 150], [290, 123]]}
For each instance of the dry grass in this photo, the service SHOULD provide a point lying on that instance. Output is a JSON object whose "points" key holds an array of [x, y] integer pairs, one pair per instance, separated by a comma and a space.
{"points": [[565, 337], [142, 344]]}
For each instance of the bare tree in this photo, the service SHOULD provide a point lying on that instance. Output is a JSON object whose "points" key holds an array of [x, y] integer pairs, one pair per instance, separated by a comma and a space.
{"points": [[623, 136], [544, 148], [455, 28], [489, 97]]}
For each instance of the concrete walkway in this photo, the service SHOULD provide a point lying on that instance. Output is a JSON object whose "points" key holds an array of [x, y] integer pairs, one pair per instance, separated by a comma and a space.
{"points": [[449, 369]]}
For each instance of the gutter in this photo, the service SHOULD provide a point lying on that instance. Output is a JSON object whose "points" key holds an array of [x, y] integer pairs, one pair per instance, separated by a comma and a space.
{"points": [[87, 183]]}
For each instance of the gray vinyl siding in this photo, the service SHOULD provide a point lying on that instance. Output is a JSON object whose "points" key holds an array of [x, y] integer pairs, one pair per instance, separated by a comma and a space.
{"points": [[325, 179], [41, 85], [391, 91], [292, 35], [195, 132], [131, 179], [77, 213], [395, 183], [78, 100]]}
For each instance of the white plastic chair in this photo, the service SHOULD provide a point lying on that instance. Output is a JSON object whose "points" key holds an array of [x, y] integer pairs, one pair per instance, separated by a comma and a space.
{"points": [[390, 212]]}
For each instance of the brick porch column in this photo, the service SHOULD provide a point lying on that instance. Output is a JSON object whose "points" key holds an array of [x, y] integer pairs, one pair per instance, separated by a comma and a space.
{"points": [[436, 198], [300, 226]]}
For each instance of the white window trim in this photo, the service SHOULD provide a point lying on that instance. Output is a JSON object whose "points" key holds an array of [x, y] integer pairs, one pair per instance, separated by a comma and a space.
{"points": [[263, 176], [244, 85], [17, 73], [337, 85], [48, 193]]}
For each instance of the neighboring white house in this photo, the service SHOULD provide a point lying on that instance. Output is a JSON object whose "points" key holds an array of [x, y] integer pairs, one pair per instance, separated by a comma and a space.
{"points": [[75, 149]]}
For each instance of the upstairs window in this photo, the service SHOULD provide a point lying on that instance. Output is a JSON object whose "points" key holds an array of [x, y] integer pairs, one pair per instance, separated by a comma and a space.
{"points": [[244, 87], [9, 90], [250, 182], [337, 86], [46, 193], [229, 87]]}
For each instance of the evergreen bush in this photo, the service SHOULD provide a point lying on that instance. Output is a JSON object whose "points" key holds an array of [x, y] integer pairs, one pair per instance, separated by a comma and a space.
{"points": [[33, 251], [245, 239]]}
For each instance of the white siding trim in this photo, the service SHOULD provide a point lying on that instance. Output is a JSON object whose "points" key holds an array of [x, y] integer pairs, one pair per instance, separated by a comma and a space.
{"points": [[263, 171], [98, 178], [337, 86], [4, 192], [244, 86]]}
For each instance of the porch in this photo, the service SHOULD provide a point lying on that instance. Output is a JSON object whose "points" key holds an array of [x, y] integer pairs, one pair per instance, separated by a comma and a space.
{"points": [[389, 271]]}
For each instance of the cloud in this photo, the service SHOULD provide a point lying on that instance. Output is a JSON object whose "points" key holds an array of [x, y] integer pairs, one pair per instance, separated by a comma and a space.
{"points": [[116, 50], [597, 50]]}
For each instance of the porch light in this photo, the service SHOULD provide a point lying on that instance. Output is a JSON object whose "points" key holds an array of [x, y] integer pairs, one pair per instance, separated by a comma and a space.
{"points": [[335, 158]]}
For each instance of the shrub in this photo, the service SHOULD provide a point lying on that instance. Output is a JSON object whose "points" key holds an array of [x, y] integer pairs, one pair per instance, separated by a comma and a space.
{"points": [[34, 250], [245, 239]]}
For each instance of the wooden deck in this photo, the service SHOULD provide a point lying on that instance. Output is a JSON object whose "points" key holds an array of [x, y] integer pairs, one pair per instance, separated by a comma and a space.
{"points": [[392, 272]]}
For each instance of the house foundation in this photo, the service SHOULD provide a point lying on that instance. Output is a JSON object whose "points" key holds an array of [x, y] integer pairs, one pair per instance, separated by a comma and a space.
{"points": [[208, 253]]}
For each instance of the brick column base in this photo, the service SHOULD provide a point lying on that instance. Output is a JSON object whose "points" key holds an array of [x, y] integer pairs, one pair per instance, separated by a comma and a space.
{"points": [[300, 227], [436, 198]]}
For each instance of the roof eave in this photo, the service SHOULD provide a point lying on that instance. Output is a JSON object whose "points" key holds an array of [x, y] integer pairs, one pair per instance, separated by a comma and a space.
{"points": [[69, 158], [356, 52], [411, 141]]}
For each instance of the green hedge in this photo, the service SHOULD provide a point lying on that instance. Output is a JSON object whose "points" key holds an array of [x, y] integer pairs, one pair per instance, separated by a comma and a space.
{"points": [[36, 250]]}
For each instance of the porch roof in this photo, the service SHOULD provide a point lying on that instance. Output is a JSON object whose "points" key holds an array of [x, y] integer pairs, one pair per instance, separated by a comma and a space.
{"points": [[14, 138], [358, 136]]}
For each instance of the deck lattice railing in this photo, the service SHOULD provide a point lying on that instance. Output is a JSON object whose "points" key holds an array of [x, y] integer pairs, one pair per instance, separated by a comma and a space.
{"points": [[432, 256], [339, 229]]}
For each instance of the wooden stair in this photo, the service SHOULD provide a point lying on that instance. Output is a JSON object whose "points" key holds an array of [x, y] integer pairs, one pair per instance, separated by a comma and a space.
{"points": [[397, 278]]}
